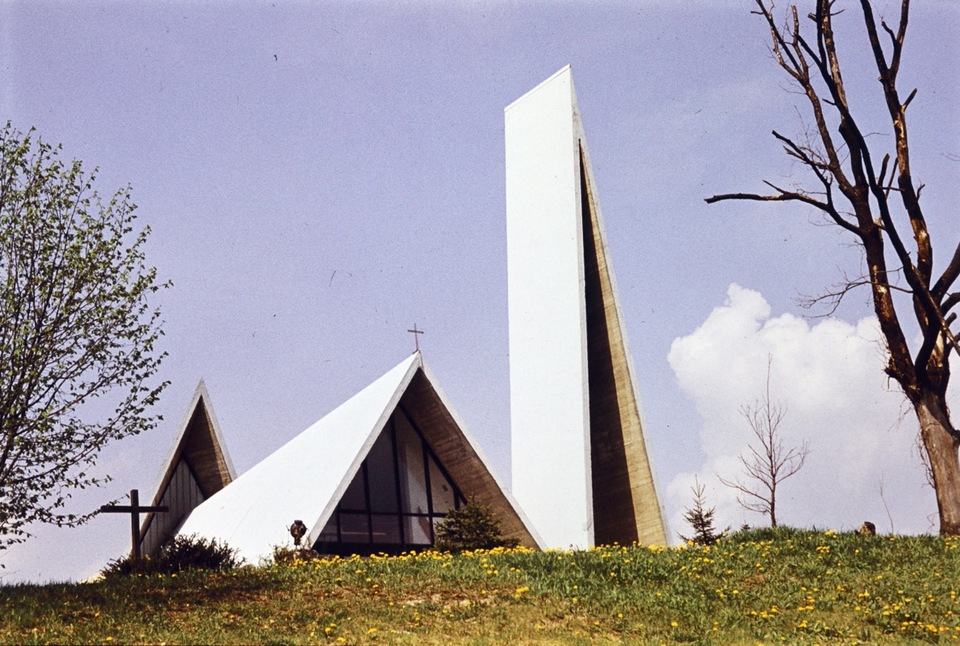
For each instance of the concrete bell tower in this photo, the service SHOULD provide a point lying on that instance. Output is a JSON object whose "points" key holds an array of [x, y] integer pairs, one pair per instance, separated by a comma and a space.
{"points": [[580, 466]]}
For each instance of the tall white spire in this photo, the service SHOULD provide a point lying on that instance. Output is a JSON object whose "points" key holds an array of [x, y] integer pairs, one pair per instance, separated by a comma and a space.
{"points": [[580, 464]]}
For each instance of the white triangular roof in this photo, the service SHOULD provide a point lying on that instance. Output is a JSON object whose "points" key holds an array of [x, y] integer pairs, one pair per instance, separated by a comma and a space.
{"points": [[305, 478]]}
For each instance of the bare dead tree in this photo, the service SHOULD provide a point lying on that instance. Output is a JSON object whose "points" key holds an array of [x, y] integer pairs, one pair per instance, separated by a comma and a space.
{"points": [[768, 464], [871, 193]]}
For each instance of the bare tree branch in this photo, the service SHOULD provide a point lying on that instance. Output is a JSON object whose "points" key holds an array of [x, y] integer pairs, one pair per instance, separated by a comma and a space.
{"points": [[881, 198]]}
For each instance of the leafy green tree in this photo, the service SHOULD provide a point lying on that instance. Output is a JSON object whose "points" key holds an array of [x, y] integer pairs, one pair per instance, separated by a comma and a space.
{"points": [[77, 331], [472, 527]]}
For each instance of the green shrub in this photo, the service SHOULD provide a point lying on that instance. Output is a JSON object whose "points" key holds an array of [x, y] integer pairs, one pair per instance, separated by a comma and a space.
{"points": [[182, 553], [472, 527]]}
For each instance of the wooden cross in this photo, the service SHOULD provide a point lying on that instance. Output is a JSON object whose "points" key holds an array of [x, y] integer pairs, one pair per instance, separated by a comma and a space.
{"points": [[416, 337], [134, 509]]}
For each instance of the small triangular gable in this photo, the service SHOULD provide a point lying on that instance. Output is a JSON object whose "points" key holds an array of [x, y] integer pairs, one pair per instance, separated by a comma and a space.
{"points": [[340, 475], [198, 467]]}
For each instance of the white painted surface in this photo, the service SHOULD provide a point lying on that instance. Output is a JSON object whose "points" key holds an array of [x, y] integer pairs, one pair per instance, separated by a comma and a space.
{"points": [[305, 478], [548, 348]]}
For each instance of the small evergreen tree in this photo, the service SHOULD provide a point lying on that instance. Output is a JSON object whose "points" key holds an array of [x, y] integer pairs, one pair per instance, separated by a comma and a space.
{"points": [[701, 519], [472, 527]]}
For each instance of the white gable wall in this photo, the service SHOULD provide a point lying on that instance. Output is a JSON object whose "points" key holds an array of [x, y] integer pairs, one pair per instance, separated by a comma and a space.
{"points": [[304, 479]]}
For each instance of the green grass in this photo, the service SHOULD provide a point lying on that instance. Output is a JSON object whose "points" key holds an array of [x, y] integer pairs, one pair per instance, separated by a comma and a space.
{"points": [[786, 586]]}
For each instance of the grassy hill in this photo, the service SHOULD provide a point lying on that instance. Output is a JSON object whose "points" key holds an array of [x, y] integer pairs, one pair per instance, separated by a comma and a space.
{"points": [[786, 586]]}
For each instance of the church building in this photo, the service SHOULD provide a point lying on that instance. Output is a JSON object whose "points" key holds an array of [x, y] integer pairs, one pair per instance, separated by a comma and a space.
{"points": [[378, 473]]}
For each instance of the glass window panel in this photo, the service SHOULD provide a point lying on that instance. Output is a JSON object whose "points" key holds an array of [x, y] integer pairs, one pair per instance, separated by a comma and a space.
{"points": [[413, 487], [329, 533], [354, 528], [381, 477], [354, 498], [443, 493], [386, 529], [417, 530]]}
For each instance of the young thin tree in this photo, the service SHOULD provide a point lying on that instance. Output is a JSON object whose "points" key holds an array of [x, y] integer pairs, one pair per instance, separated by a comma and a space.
{"points": [[768, 463], [701, 519], [865, 185], [77, 334]]}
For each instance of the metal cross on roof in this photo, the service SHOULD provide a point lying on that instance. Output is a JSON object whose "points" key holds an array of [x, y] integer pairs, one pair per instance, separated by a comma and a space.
{"points": [[416, 337]]}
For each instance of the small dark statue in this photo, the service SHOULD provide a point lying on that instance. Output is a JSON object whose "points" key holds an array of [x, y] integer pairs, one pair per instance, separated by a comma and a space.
{"points": [[297, 530]]}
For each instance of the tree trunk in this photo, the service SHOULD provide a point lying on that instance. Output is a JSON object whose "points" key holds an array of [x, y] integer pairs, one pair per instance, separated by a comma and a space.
{"points": [[942, 448]]}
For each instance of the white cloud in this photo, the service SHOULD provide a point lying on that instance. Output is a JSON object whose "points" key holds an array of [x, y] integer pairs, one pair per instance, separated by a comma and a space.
{"points": [[830, 378]]}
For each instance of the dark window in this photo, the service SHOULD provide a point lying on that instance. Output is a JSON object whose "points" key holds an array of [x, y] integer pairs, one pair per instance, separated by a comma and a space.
{"points": [[354, 528], [395, 500], [355, 497], [381, 467]]}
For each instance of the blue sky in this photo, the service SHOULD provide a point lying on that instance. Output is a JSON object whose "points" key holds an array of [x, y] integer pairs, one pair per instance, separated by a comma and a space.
{"points": [[321, 176]]}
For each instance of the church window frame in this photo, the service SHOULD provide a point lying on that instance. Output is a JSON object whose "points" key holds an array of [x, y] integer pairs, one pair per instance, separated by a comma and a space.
{"points": [[374, 541]]}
